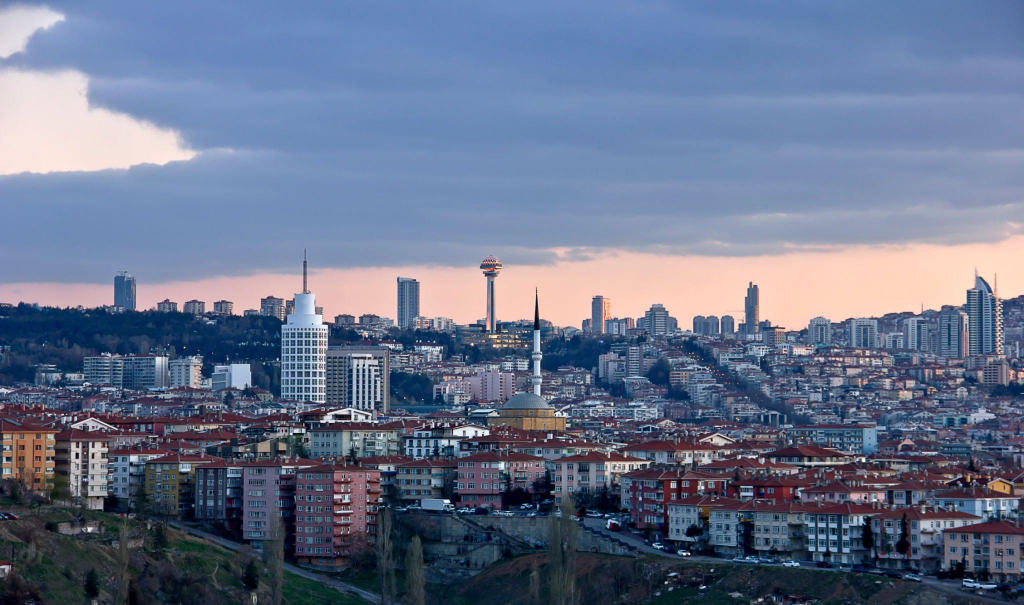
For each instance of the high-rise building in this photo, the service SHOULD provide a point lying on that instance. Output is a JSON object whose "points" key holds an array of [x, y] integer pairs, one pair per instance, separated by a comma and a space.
{"points": [[985, 319], [712, 323], [167, 306], [408, 301], [224, 307], [231, 376], [124, 291], [600, 312], [728, 324], [304, 349], [657, 320], [619, 326], [272, 306], [954, 335], [916, 334], [490, 266], [819, 331], [186, 372], [699, 326], [752, 308], [130, 372], [359, 377], [864, 333], [195, 307]]}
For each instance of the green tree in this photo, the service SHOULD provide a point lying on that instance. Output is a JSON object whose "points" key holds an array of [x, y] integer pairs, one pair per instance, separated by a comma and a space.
{"points": [[903, 544], [92, 584], [251, 576], [59, 491], [867, 535], [385, 549]]}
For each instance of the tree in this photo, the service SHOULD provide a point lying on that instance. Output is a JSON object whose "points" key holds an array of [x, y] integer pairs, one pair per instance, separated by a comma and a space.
{"points": [[415, 585], [903, 544], [60, 492], [123, 575], [563, 588], [533, 596], [385, 556], [92, 584], [251, 576], [160, 539], [273, 558], [867, 535]]}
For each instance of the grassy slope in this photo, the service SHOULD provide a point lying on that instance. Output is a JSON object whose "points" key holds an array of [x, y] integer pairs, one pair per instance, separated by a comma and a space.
{"points": [[60, 563]]}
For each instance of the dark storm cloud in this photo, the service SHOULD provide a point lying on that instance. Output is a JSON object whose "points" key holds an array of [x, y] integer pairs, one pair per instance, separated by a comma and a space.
{"points": [[395, 133]]}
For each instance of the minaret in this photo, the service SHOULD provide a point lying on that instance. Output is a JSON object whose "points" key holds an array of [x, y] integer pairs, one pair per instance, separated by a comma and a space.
{"points": [[537, 355]]}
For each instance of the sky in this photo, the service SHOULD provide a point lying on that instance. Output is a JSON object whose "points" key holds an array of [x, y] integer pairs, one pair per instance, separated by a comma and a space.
{"points": [[850, 158]]}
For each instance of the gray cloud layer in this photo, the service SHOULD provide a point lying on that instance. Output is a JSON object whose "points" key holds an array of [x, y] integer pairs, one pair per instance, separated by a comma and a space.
{"points": [[394, 133]]}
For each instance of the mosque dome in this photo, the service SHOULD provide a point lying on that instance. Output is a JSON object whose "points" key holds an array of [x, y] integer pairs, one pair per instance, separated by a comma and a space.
{"points": [[526, 401]]}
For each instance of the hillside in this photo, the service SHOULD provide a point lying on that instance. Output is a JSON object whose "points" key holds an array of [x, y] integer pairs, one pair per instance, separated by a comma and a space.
{"points": [[174, 569], [603, 578]]}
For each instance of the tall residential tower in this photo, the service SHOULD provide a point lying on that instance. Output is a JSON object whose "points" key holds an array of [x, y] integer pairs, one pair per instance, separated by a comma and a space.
{"points": [[984, 319], [600, 312], [408, 301], [124, 291], [752, 308]]}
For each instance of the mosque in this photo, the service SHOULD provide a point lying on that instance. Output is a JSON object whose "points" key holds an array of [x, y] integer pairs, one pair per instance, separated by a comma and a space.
{"points": [[529, 411]]}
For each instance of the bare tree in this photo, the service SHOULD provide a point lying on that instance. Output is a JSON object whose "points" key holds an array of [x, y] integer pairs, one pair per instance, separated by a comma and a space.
{"points": [[122, 573], [385, 556], [415, 585], [533, 596], [273, 558], [565, 540]]}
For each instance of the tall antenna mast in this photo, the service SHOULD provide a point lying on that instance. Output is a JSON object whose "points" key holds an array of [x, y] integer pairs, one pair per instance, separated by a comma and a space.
{"points": [[305, 286]]}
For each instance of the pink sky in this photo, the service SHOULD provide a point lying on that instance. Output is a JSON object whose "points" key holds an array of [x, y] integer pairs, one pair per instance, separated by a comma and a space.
{"points": [[860, 281]]}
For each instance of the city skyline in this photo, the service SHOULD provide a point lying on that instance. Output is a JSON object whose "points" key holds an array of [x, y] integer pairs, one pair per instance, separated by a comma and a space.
{"points": [[939, 278]]}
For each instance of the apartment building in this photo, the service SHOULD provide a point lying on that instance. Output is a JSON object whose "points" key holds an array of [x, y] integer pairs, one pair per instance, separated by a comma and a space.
{"points": [[993, 547], [483, 477], [268, 490], [439, 441], [424, 479], [333, 505], [218, 495], [170, 482], [978, 501], [81, 458], [590, 472], [927, 526], [847, 438], [29, 453], [128, 469], [362, 438]]}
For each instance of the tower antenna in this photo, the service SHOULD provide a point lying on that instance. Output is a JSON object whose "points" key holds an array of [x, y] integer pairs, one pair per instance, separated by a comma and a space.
{"points": [[305, 286]]}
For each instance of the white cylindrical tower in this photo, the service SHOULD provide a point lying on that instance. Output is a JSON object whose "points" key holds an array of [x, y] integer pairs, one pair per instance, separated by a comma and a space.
{"points": [[304, 351]]}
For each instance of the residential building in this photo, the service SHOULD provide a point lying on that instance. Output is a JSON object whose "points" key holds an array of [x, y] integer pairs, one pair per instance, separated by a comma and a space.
{"points": [[728, 324], [591, 472], [333, 505], [363, 439], [864, 333], [166, 306], [272, 306], [359, 377], [600, 312], [124, 291], [438, 441], [657, 321], [186, 372], [435, 478], [268, 490], [992, 547], [195, 307], [819, 331], [954, 336], [170, 482], [218, 495], [81, 458], [224, 307], [128, 470], [752, 308], [926, 527], [408, 301], [483, 477], [848, 438], [231, 376], [984, 319], [29, 453], [978, 501], [916, 334]]}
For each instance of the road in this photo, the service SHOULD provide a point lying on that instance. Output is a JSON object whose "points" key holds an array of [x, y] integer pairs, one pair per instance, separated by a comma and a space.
{"points": [[950, 587], [305, 573]]}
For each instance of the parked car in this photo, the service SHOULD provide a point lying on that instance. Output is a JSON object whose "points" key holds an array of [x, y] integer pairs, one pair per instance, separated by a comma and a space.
{"points": [[893, 574], [791, 564], [739, 559], [913, 577], [525, 506], [658, 546], [971, 583], [683, 553], [823, 565], [594, 514]]}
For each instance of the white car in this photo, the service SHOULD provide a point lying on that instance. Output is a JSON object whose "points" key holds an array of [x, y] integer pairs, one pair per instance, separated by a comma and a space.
{"points": [[658, 546], [683, 553], [791, 564], [913, 577]]}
